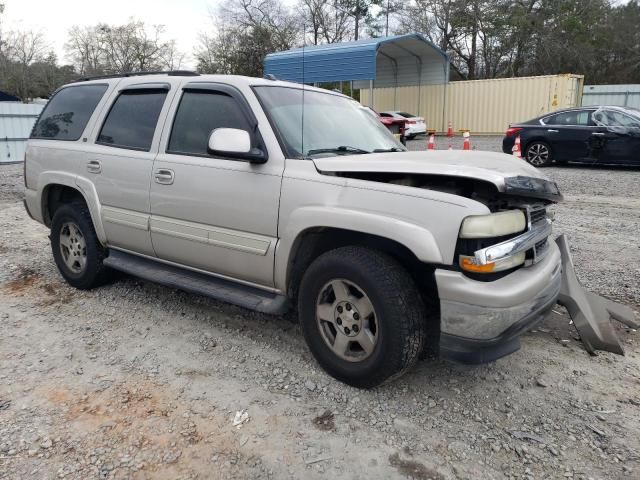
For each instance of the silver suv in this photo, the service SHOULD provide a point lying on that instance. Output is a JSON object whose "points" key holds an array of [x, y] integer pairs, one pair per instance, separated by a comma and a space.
{"points": [[268, 195]]}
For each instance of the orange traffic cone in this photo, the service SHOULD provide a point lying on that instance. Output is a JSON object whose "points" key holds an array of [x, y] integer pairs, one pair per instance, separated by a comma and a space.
{"points": [[467, 140], [450, 130], [517, 151], [431, 145]]}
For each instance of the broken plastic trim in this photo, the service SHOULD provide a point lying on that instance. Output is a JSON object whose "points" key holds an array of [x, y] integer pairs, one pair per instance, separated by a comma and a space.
{"points": [[532, 187], [591, 313]]}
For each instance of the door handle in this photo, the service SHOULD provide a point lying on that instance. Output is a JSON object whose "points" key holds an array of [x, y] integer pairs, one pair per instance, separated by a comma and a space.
{"points": [[164, 176], [552, 131], [94, 166], [598, 134]]}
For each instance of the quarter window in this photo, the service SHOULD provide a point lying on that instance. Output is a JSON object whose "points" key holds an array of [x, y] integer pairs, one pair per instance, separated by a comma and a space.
{"points": [[199, 113], [132, 120], [67, 113]]}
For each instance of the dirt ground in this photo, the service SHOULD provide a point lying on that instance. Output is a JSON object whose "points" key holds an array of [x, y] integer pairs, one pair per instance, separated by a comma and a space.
{"points": [[134, 380]]}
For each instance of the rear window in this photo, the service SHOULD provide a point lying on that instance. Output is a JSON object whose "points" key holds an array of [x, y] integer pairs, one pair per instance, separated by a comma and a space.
{"points": [[406, 115], [132, 120], [67, 113]]}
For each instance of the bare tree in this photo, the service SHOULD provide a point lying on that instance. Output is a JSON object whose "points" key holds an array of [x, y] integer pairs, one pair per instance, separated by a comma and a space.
{"points": [[121, 48], [23, 49]]}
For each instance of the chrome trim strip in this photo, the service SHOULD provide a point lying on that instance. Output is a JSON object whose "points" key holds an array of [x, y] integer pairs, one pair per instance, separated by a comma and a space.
{"points": [[518, 244]]}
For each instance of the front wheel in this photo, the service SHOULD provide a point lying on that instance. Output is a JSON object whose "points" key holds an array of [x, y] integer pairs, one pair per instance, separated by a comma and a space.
{"points": [[538, 154], [362, 316]]}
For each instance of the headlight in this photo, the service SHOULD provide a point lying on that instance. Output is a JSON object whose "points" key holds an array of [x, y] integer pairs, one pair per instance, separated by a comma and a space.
{"points": [[494, 225], [469, 264]]}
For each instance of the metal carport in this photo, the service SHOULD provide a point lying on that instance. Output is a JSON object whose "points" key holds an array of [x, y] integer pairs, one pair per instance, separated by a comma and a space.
{"points": [[401, 60]]}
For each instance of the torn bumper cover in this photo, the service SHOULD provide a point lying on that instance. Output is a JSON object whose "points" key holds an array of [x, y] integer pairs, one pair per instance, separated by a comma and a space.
{"points": [[482, 321]]}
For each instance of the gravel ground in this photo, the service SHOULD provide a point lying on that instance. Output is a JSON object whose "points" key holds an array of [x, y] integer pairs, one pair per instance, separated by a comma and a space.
{"points": [[134, 380]]}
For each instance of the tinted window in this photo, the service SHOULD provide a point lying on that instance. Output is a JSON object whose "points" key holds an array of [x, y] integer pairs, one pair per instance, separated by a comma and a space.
{"points": [[406, 115], [199, 113], [67, 113], [132, 119], [569, 118]]}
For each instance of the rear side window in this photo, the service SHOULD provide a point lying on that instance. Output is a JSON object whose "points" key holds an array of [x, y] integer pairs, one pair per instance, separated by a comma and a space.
{"points": [[199, 113], [67, 113], [569, 118], [132, 120]]}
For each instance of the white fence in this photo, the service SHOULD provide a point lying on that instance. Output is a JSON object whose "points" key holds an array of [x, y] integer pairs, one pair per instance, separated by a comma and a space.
{"points": [[620, 95], [16, 122]]}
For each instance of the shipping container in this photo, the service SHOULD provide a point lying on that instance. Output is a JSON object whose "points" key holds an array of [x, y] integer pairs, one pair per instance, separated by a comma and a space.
{"points": [[481, 106]]}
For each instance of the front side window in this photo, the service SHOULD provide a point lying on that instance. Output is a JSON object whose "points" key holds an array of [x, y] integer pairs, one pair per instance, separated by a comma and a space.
{"points": [[132, 120], [199, 114], [311, 123], [68, 112]]}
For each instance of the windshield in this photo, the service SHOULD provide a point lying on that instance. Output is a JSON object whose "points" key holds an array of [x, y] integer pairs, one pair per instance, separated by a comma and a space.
{"points": [[333, 124]]}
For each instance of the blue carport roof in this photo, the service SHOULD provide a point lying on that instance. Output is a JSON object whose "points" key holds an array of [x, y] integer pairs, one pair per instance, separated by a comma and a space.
{"points": [[347, 60]]}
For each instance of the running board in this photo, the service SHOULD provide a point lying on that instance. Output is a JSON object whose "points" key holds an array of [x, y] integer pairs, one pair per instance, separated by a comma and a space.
{"points": [[591, 313], [200, 283]]}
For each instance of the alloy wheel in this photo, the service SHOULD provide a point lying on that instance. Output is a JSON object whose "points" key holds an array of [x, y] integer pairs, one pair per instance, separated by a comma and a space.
{"points": [[73, 247], [538, 154], [347, 320]]}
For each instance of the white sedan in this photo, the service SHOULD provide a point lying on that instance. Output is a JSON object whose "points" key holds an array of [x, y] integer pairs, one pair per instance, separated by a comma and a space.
{"points": [[414, 126]]}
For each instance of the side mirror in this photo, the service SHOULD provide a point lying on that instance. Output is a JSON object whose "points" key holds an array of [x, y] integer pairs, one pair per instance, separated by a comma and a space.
{"points": [[235, 143]]}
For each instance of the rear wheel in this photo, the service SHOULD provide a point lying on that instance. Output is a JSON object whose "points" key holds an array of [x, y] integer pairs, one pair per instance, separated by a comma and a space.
{"points": [[76, 248], [362, 316], [538, 154]]}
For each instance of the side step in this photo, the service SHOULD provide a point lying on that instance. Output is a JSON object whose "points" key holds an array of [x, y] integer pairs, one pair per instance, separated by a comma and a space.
{"points": [[195, 282]]}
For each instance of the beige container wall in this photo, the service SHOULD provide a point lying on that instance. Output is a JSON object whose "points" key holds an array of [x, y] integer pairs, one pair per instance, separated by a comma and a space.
{"points": [[482, 106]]}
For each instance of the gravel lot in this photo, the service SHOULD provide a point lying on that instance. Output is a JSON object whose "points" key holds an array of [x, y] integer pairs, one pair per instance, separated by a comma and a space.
{"points": [[134, 380]]}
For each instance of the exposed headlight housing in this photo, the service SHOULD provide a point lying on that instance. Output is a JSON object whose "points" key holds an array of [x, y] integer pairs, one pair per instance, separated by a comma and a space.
{"points": [[493, 225]]}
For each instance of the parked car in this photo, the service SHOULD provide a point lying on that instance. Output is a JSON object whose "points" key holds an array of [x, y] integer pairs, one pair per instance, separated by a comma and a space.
{"points": [[415, 125], [212, 184], [397, 126], [602, 135]]}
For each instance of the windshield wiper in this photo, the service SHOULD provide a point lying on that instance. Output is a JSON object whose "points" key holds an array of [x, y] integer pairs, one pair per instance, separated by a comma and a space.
{"points": [[392, 149], [340, 149]]}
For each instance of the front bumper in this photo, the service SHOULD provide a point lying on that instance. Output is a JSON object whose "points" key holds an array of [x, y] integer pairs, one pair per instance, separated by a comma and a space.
{"points": [[481, 321]]}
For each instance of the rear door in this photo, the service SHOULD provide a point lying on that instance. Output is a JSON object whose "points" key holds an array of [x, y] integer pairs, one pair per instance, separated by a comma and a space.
{"points": [[120, 157], [569, 134], [618, 138]]}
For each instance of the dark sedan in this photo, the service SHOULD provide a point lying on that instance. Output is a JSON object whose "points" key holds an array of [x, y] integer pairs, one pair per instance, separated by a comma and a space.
{"points": [[601, 135]]}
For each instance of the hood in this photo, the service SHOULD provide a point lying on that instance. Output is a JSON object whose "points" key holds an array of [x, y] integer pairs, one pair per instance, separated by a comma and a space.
{"points": [[506, 172]]}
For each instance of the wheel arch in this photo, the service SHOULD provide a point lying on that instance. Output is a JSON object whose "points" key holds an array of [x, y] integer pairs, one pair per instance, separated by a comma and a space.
{"points": [[312, 242], [57, 193]]}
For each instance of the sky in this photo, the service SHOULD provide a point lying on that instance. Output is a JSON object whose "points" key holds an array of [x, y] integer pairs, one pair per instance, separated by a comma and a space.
{"points": [[183, 19]]}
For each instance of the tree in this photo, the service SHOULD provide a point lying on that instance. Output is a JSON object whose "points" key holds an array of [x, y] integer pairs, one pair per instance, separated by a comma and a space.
{"points": [[104, 48], [246, 31]]}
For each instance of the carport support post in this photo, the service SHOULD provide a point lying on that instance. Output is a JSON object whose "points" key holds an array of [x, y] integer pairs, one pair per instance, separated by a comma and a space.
{"points": [[370, 93]]}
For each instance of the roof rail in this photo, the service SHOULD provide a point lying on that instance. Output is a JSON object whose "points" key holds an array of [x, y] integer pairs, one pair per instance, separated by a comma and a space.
{"points": [[173, 73]]}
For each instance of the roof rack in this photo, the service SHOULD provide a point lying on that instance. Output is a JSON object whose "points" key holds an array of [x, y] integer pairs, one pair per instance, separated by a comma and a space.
{"points": [[172, 73]]}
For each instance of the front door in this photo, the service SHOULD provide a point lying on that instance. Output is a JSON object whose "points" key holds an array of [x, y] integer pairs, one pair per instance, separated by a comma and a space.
{"points": [[119, 162], [214, 214], [618, 138]]}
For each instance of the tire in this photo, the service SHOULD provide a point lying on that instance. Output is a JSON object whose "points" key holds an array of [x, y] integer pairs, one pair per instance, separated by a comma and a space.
{"points": [[394, 332], [75, 246], [538, 154]]}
